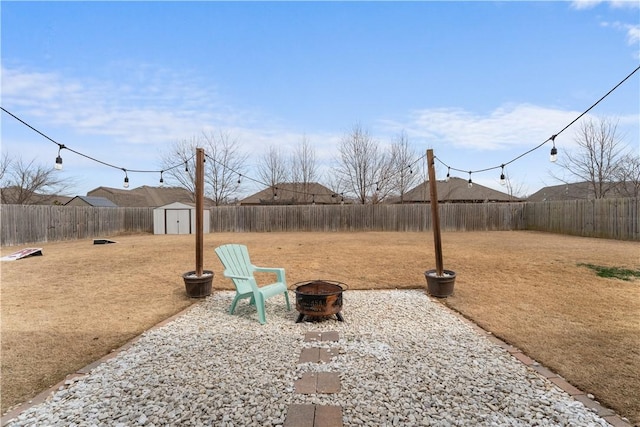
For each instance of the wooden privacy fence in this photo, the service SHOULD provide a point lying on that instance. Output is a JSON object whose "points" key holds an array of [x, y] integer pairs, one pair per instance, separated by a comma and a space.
{"points": [[608, 218], [34, 223], [409, 217]]}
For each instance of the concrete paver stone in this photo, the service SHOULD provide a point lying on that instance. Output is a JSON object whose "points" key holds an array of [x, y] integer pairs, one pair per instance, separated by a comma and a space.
{"points": [[312, 336], [300, 415], [328, 416], [307, 384], [328, 382]]}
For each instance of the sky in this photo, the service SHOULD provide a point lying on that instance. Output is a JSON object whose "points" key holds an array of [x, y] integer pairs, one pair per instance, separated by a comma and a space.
{"points": [[478, 82]]}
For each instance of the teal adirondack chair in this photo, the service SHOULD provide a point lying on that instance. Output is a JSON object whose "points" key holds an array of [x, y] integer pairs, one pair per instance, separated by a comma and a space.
{"points": [[238, 267]]}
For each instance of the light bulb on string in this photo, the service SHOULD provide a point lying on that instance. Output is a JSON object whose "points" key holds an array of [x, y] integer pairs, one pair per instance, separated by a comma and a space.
{"points": [[470, 184], [58, 164], [553, 157], [161, 180], [448, 174], [186, 166], [313, 199], [275, 193], [239, 177], [503, 180], [126, 179]]}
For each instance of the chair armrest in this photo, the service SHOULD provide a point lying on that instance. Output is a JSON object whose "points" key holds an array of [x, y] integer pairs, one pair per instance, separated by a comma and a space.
{"points": [[280, 276], [236, 276]]}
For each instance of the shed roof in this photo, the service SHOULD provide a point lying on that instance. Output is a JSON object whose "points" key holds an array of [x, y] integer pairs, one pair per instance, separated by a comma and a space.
{"points": [[178, 205]]}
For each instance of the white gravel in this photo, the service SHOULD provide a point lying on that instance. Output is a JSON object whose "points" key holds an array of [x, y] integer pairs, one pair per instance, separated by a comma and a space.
{"points": [[404, 360]]}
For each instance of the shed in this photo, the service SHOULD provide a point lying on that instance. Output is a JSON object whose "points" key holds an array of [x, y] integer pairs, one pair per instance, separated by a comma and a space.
{"points": [[177, 218]]}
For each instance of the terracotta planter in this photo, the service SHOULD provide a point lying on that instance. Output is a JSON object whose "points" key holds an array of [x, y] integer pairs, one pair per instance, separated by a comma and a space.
{"points": [[440, 286], [198, 286]]}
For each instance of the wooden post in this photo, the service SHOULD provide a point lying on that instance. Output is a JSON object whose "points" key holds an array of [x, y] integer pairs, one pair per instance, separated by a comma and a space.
{"points": [[435, 214], [199, 208]]}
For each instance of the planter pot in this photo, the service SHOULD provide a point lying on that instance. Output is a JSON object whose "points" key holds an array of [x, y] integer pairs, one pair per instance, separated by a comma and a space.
{"points": [[440, 286], [198, 286]]}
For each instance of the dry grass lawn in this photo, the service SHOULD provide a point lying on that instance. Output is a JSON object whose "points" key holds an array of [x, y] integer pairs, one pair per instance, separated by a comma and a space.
{"points": [[78, 301]]}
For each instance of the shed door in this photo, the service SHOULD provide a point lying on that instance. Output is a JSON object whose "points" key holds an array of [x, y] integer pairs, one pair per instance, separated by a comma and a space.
{"points": [[177, 221]]}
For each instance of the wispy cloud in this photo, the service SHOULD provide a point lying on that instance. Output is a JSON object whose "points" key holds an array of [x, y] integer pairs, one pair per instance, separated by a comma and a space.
{"points": [[589, 4], [632, 30], [147, 107], [160, 107], [508, 126]]}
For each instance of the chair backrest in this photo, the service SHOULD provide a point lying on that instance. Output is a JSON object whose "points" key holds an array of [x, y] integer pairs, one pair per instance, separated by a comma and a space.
{"points": [[235, 259]]}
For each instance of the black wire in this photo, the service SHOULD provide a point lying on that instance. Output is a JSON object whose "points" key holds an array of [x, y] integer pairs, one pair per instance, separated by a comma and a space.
{"points": [[64, 147], [502, 165]]}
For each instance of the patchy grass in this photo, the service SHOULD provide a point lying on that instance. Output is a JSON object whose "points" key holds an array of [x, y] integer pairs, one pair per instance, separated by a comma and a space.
{"points": [[613, 272]]}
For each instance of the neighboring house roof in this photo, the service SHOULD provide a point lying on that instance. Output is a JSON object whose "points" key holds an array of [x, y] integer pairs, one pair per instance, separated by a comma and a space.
{"points": [[146, 196], [581, 191], [98, 202], [9, 196], [456, 190], [293, 193]]}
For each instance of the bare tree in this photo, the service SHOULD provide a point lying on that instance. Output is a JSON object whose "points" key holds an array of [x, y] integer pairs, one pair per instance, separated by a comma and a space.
{"points": [[224, 172], [514, 190], [598, 156], [181, 152], [5, 164], [23, 183], [628, 176], [304, 169], [273, 168], [404, 168], [223, 169], [362, 166], [336, 185]]}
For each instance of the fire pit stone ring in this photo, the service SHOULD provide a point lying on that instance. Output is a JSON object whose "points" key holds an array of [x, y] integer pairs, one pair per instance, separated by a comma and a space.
{"points": [[319, 298]]}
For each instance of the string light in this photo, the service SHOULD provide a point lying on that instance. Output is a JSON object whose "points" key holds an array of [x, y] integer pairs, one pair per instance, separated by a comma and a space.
{"points": [[58, 165], [448, 174], [553, 153], [313, 199], [553, 157], [161, 180], [470, 184], [503, 180], [239, 177]]}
